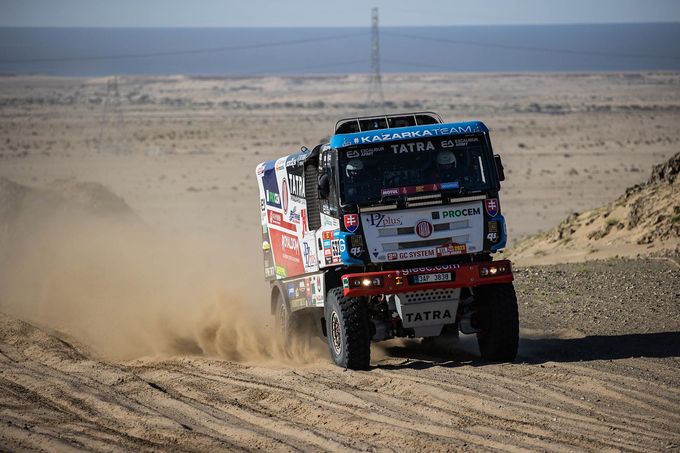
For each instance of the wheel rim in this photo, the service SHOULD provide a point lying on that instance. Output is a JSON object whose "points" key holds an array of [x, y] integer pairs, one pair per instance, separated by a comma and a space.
{"points": [[336, 335]]}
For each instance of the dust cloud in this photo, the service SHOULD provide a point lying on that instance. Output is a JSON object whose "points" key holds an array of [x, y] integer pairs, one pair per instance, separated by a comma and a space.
{"points": [[85, 265]]}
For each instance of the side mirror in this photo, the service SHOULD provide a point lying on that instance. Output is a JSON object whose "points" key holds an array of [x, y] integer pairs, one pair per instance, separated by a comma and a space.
{"points": [[324, 185], [499, 167]]}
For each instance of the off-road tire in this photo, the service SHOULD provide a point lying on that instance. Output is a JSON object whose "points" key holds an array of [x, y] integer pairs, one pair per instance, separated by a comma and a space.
{"points": [[498, 321], [282, 320], [347, 329], [290, 327]]}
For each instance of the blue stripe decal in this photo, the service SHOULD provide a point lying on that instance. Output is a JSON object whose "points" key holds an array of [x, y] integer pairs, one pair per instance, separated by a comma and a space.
{"points": [[406, 133]]}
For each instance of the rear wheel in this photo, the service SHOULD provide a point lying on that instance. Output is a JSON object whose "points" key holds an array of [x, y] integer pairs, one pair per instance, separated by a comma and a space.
{"points": [[283, 319], [347, 329], [498, 322], [291, 326]]}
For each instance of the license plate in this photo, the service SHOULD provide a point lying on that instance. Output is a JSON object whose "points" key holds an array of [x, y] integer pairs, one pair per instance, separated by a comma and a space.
{"points": [[432, 278]]}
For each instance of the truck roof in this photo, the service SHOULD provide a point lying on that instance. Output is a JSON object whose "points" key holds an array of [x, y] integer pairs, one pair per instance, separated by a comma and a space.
{"points": [[403, 133]]}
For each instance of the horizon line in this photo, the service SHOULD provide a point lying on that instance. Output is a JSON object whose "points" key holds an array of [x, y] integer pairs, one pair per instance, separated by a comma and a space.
{"points": [[219, 27]]}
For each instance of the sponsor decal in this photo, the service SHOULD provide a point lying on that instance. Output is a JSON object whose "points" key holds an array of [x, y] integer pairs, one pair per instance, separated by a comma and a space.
{"points": [[327, 234], [424, 229], [345, 282], [417, 134], [435, 215], [291, 290], [410, 190], [422, 270], [296, 185], [413, 254], [491, 206], [450, 185], [308, 255], [262, 204], [448, 144], [492, 237], [299, 302], [400, 148], [284, 194], [287, 254], [367, 152], [381, 220], [276, 218], [303, 216], [327, 252], [290, 243], [351, 222], [356, 251], [281, 271], [293, 215], [492, 226], [416, 254], [329, 260], [335, 247], [453, 213], [427, 315], [273, 199], [327, 244], [390, 192], [356, 240], [269, 272], [260, 170], [451, 249], [317, 288]]}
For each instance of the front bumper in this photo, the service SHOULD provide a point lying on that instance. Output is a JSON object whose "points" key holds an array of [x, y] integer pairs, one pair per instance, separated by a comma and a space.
{"points": [[402, 280]]}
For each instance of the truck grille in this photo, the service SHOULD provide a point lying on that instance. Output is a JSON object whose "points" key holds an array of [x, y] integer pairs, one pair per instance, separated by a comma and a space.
{"points": [[438, 227], [430, 295]]}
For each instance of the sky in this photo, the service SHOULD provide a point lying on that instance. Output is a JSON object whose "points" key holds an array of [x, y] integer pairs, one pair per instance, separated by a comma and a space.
{"points": [[325, 13]]}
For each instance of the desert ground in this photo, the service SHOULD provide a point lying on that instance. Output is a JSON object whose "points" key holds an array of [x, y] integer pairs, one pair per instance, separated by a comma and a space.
{"points": [[134, 316]]}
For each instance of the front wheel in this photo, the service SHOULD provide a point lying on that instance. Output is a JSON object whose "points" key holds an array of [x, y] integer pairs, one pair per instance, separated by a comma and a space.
{"points": [[498, 322], [347, 329]]}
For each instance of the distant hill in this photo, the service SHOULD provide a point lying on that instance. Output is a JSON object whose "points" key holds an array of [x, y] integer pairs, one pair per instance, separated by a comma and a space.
{"points": [[643, 221]]}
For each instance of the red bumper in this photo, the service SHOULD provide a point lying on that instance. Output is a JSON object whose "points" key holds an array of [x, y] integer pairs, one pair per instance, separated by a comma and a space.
{"points": [[404, 280]]}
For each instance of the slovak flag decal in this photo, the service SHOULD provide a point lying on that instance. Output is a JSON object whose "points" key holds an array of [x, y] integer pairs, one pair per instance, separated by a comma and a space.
{"points": [[491, 206], [351, 222]]}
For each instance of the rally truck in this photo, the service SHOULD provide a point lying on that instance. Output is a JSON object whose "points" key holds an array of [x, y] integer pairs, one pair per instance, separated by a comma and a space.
{"points": [[389, 230]]}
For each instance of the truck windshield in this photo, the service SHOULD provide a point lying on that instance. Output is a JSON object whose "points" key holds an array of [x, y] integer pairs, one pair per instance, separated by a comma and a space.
{"points": [[371, 173]]}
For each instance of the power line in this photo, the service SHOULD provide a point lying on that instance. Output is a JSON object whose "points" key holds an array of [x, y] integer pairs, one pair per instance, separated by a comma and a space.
{"points": [[375, 83], [183, 52], [427, 65], [531, 48]]}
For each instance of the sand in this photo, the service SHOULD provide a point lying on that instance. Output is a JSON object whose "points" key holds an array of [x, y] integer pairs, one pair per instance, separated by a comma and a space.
{"points": [[133, 256]]}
